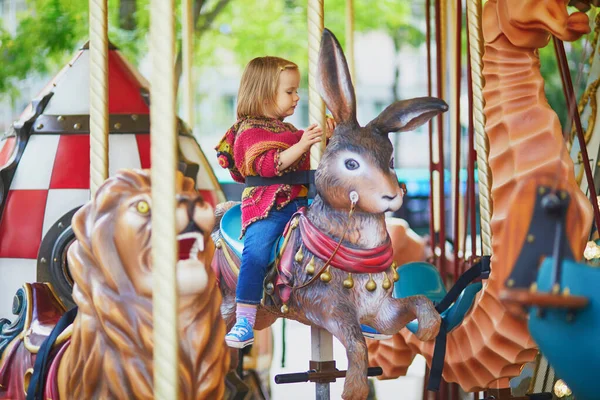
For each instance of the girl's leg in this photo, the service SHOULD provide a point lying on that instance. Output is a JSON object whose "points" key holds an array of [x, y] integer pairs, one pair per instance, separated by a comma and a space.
{"points": [[259, 240]]}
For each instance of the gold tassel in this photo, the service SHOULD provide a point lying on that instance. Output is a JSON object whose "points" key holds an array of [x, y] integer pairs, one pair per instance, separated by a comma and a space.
{"points": [[299, 255], [386, 282], [326, 276], [395, 275], [371, 285], [310, 267], [349, 282]]}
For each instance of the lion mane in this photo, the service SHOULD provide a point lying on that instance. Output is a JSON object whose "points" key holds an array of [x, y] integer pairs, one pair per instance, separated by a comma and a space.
{"points": [[111, 350]]}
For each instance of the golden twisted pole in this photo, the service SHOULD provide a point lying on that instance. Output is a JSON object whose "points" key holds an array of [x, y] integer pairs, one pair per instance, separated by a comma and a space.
{"points": [[321, 340], [316, 106], [187, 49], [164, 157], [98, 93], [483, 146]]}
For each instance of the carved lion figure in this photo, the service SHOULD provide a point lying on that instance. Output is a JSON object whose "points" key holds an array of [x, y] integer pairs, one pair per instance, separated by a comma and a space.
{"points": [[110, 351]]}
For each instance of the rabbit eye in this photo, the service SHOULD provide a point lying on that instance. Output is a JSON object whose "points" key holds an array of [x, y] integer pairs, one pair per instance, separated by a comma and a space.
{"points": [[392, 163], [352, 164]]}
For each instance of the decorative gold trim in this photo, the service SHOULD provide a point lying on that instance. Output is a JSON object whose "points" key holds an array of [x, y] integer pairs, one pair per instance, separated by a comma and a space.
{"points": [[326, 276], [299, 255], [386, 282], [310, 267], [64, 335], [286, 238], [9, 348], [589, 96], [395, 275], [349, 282], [27, 379], [371, 285]]}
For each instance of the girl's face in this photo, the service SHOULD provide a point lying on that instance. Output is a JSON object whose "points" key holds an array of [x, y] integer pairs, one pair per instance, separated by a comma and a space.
{"points": [[287, 97]]}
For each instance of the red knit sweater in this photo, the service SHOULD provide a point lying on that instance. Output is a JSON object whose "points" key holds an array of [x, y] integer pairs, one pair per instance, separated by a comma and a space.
{"points": [[256, 148]]}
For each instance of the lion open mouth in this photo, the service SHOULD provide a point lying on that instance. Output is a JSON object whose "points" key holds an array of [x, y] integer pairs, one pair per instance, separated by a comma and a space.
{"points": [[191, 273], [191, 245]]}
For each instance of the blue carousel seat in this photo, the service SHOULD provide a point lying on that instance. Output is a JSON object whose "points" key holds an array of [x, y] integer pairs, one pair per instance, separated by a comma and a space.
{"points": [[421, 278], [570, 342], [231, 229]]}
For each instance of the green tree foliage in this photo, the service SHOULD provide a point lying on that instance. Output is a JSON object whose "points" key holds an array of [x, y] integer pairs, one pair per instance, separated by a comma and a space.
{"points": [[279, 27], [577, 54], [50, 31], [40, 41]]}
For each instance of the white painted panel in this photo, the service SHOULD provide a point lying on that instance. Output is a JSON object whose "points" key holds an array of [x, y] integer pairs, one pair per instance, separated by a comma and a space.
{"points": [[14, 272], [61, 201], [122, 153], [35, 168]]}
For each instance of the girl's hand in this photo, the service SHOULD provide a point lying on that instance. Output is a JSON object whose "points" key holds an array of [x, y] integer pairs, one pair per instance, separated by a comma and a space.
{"points": [[311, 135], [331, 124]]}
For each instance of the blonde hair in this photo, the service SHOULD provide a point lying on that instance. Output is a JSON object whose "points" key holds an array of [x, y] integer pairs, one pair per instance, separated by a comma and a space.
{"points": [[258, 87]]}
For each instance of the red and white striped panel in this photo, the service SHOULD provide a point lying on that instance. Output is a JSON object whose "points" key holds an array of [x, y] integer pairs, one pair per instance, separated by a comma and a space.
{"points": [[53, 176], [51, 179], [7, 149]]}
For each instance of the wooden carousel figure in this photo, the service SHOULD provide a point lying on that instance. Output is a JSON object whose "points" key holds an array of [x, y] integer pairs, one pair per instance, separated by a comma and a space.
{"points": [[333, 268]]}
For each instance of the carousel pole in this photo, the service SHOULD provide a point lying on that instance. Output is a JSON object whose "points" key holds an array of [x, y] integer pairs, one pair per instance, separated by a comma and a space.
{"points": [[455, 23], [98, 94], [316, 106], [350, 39], [321, 340], [483, 146], [187, 50], [188, 83], [164, 157], [458, 199]]}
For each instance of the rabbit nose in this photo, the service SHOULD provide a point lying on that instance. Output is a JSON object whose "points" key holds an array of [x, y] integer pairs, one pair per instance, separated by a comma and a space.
{"points": [[389, 198]]}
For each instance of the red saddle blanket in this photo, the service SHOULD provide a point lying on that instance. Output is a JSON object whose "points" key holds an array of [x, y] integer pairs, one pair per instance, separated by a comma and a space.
{"points": [[300, 231], [322, 247]]}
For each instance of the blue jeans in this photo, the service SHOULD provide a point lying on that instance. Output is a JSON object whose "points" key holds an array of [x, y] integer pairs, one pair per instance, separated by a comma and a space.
{"points": [[259, 239]]}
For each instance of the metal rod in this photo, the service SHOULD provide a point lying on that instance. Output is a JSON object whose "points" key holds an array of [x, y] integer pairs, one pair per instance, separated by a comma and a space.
{"points": [[440, 141], [457, 196], [572, 107], [430, 125]]}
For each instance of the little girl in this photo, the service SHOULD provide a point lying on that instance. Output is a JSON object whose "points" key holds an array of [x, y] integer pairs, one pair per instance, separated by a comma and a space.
{"points": [[261, 144]]}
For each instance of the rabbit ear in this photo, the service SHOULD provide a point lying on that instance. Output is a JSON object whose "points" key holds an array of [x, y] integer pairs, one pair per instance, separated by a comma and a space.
{"points": [[333, 80], [407, 115]]}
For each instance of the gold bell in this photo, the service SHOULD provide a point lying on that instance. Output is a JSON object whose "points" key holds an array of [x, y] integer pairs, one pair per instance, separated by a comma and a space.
{"points": [[386, 282], [294, 223], [326, 276], [269, 288], [310, 267], [533, 288], [349, 282], [219, 244], [371, 285], [284, 309], [299, 255], [395, 275]]}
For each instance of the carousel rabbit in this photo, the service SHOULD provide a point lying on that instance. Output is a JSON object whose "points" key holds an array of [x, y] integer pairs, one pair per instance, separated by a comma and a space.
{"points": [[333, 267]]}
